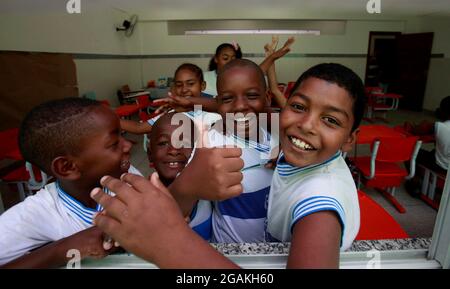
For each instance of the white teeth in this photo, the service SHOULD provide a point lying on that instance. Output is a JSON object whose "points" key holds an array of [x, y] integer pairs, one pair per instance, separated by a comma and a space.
{"points": [[301, 144], [242, 119]]}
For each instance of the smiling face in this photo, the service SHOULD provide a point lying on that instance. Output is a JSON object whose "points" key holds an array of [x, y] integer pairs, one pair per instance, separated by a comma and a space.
{"points": [[103, 151], [187, 84], [241, 91], [226, 54], [316, 122], [168, 160]]}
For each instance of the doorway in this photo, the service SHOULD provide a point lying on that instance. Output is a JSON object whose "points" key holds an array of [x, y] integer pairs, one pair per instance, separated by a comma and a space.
{"points": [[399, 63]]}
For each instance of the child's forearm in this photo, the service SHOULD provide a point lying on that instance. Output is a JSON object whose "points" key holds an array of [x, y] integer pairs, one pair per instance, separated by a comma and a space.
{"points": [[182, 195], [273, 85], [135, 127], [208, 104], [50, 256], [188, 250]]}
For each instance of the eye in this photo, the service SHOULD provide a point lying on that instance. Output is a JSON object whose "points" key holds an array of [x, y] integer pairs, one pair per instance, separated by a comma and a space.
{"points": [[332, 121], [253, 95], [298, 107], [227, 99], [163, 143]]}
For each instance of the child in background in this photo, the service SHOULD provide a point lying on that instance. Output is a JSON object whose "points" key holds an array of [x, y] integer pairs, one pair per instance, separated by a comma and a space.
{"points": [[242, 95], [437, 159], [225, 52], [169, 159], [77, 141], [188, 84]]}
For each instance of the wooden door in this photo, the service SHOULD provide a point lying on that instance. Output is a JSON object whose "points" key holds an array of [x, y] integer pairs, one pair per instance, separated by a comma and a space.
{"points": [[413, 60]]}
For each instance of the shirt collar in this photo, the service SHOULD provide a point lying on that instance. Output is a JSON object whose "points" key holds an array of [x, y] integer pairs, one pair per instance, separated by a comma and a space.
{"points": [[77, 209], [285, 169]]}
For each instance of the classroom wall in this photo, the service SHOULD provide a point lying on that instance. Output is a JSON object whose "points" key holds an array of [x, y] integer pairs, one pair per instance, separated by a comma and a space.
{"points": [[91, 36], [106, 59], [349, 48]]}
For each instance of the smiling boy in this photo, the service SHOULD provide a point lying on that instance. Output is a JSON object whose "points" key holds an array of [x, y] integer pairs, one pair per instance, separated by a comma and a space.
{"points": [[313, 199]]}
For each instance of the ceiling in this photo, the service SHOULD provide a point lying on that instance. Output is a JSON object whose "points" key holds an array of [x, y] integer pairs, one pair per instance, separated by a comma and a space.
{"points": [[152, 10]]}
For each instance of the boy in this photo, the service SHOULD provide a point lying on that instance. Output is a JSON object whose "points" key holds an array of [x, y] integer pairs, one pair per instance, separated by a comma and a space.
{"points": [[313, 199], [169, 159], [242, 97], [320, 119], [77, 141]]}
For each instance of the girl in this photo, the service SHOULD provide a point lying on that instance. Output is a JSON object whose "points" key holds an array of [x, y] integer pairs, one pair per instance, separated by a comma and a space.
{"points": [[225, 52], [188, 84]]}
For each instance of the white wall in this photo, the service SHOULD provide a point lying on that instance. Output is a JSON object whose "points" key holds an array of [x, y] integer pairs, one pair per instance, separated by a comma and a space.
{"points": [[155, 40], [93, 32]]}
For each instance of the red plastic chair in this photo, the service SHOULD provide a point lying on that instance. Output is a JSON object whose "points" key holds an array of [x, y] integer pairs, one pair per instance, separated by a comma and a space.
{"points": [[383, 169], [19, 172], [376, 223], [377, 100]]}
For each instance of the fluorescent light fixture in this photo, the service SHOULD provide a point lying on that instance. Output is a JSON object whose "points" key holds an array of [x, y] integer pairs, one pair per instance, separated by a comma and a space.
{"points": [[250, 31]]}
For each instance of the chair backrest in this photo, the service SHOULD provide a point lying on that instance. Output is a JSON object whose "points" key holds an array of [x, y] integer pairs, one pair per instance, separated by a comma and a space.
{"points": [[396, 149], [143, 101], [9, 146]]}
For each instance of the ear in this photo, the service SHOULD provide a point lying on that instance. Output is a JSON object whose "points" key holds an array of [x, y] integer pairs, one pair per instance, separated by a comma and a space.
{"points": [[65, 168], [203, 87], [349, 143]]}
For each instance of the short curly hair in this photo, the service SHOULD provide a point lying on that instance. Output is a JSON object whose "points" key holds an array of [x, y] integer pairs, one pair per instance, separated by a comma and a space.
{"points": [[54, 129], [343, 77]]}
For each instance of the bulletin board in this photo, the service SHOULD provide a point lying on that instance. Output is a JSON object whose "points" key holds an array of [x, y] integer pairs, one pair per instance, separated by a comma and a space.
{"points": [[28, 79]]}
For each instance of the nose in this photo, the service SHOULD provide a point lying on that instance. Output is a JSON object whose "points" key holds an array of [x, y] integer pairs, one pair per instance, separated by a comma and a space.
{"points": [[185, 88], [126, 145], [173, 151], [308, 124], [241, 104]]}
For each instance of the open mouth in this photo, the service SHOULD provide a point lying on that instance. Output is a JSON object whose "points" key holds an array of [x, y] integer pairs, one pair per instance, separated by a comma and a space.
{"points": [[175, 164], [298, 143], [125, 165]]}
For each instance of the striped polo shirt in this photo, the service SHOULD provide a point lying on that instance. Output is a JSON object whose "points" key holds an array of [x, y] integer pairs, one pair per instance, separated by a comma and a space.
{"points": [[242, 218], [297, 192]]}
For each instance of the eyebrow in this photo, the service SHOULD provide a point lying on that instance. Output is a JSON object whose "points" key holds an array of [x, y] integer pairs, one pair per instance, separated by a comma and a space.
{"points": [[327, 107]]}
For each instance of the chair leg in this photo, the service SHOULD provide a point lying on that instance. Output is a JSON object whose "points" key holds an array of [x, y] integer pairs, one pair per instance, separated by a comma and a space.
{"points": [[21, 191], [390, 197], [2, 207]]}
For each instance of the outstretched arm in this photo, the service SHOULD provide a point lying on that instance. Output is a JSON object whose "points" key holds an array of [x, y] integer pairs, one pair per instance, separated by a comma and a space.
{"points": [[89, 243], [272, 76], [135, 127], [269, 60], [145, 219]]}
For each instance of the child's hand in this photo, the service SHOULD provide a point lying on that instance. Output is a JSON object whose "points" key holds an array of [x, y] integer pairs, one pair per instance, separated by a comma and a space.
{"points": [[143, 217], [90, 243], [280, 52], [178, 103]]}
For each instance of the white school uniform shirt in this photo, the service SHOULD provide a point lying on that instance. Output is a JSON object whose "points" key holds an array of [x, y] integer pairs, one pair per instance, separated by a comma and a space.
{"points": [[442, 133], [242, 218], [297, 192], [210, 78], [49, 215]]}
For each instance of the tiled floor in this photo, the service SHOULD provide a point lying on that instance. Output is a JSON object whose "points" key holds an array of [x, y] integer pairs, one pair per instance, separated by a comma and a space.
{"points": [[418, 221]]}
